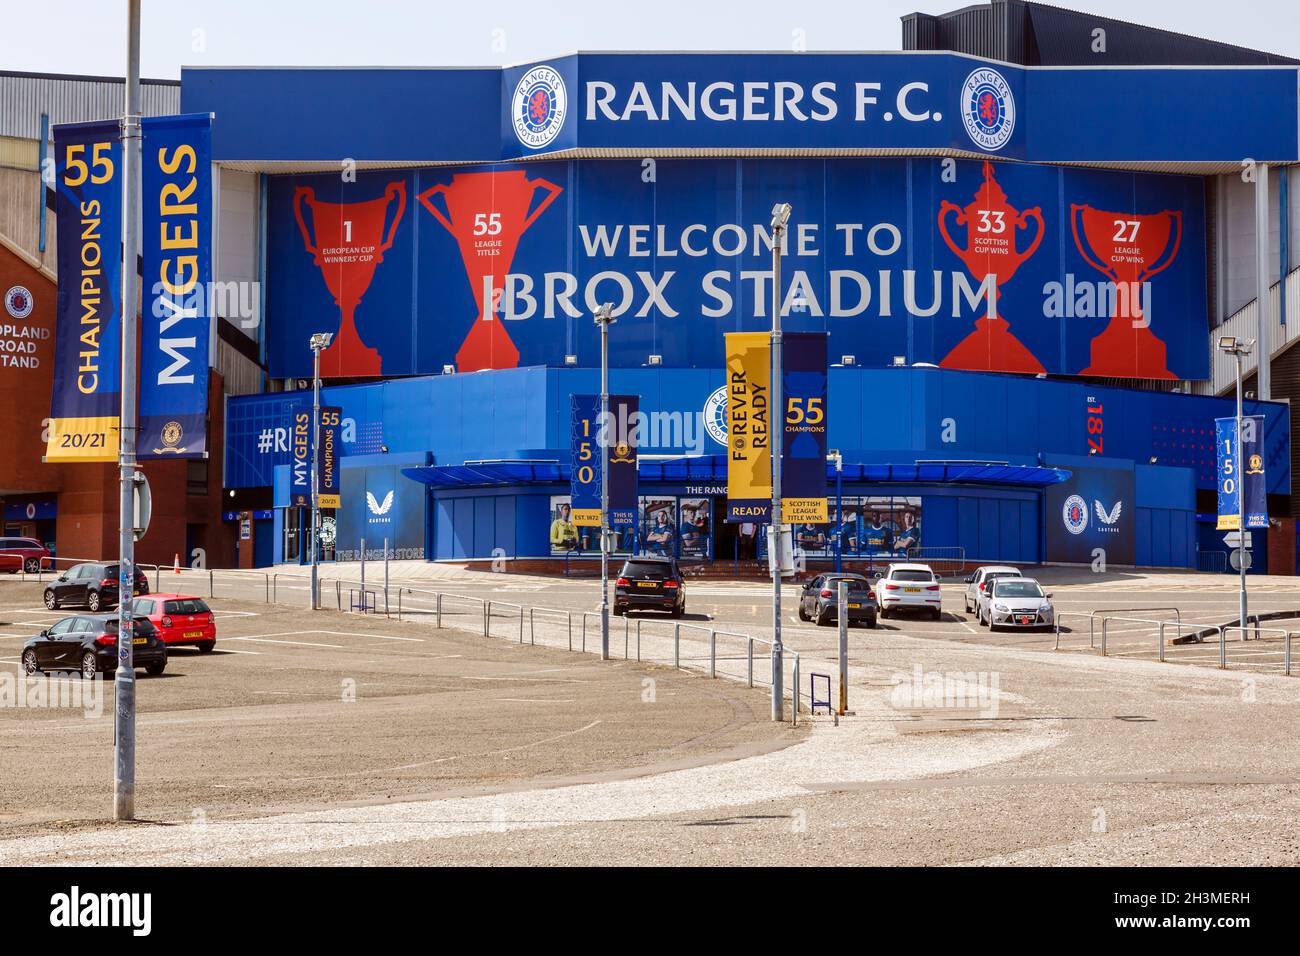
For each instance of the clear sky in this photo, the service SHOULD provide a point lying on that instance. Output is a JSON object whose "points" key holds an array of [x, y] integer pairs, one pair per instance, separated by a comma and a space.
{"points": [[88, 36]]}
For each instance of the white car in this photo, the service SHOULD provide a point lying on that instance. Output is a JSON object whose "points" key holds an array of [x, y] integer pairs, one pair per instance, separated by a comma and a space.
{"points": [[906, 587], [1017, 602], [977, 583]]}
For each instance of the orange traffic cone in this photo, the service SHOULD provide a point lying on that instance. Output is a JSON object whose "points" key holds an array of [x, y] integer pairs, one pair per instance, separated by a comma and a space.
{"points": [[176, 563]]}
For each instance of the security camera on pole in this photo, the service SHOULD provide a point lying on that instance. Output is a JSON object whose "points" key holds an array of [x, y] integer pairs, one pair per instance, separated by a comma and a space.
{"points": [[776, 540], [319, 343], [604, 318]]}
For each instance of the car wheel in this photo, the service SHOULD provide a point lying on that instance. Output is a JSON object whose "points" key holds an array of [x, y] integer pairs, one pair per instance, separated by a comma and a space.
{"points": [[31, 565], [871, 620], [938, 614], [619, 611], [51, 602], [92, 600], [155, 670], [207, 646], [89, 666], [29, 663], [679, 611], [884, 613], [824, 618], [803, 615], [983, 622]]}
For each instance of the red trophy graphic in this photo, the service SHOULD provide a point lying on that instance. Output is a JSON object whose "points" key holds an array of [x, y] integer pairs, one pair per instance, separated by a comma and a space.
{"points": [[1128, 249], [487, 214], [991, 226], [347, 250]]}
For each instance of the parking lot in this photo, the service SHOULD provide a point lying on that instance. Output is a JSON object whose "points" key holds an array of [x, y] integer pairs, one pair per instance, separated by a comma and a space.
{"points": [[466, 748], [294, 710]]}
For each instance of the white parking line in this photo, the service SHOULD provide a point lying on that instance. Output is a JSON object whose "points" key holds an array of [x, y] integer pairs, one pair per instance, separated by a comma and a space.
{"points": [[264, 640]]}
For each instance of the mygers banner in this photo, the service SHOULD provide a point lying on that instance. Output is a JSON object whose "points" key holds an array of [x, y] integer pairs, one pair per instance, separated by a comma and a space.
{"points": [[803, 445], [1241, 472], [328, 482], [621, 434], [300, 457], [177, 256], [86, 401]]}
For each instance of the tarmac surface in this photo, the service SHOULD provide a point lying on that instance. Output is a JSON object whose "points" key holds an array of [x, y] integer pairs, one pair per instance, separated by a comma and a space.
{"points": [[961, 746]]}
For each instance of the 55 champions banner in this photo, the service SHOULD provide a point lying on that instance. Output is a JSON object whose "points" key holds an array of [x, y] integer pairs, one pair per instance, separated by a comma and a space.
{"points": [[965, 264], [86, 401]]}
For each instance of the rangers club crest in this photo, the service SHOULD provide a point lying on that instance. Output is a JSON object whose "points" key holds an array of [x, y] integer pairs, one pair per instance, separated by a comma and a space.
{"points": [[1075, 514], [18, 302], [539, 107], [988, 109], [715, 415]]}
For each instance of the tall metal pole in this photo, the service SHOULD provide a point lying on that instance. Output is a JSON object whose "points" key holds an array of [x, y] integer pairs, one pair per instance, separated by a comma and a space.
{"points": [[315, 473], [1264, 340], [839, 509], [605, 487], [124, 719], [776, 437], [842, 612], [604, 317], [1241, 503]]}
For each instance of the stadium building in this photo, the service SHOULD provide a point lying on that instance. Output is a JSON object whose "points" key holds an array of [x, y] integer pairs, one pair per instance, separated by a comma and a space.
{"points": [[455, 229]]}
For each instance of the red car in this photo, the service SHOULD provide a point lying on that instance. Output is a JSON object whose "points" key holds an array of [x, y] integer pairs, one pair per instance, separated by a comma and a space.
{"points": [[180, 619], [23, 554]]}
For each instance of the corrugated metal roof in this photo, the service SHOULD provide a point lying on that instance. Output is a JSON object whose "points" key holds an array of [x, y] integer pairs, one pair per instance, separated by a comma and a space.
{"points": [[74, 99]]}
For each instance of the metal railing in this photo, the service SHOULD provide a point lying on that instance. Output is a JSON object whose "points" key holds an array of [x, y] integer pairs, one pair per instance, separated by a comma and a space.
{"points": [[944, 561], [50, 566], [1158, 631]]}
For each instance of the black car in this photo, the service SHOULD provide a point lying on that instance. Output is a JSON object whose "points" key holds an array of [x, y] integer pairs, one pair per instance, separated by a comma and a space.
{"points": [[92, 586], [88, 643], [649, 583], [819, 600]]}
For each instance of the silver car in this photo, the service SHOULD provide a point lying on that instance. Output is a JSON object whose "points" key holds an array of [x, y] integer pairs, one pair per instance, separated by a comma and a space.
{"points": [[1016, 602], [977, 583]]}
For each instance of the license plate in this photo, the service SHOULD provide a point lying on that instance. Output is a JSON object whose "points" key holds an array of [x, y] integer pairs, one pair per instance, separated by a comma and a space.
{"points": [[854, 607], [1025, 619], [139, 640], [193, 633], [137, 592], [912, 590], [647, 584]]}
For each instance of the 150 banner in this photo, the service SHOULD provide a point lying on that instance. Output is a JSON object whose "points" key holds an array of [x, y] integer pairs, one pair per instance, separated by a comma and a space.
{"points": [[1241, 472], [621, 434]]}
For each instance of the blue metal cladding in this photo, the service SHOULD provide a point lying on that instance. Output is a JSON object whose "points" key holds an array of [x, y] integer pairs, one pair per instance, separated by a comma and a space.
{"points": [[643, 101], [879, 415]]}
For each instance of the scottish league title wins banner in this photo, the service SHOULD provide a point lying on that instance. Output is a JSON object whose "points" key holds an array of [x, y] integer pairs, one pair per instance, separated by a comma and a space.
{"points": [[803, 447], [585, 460], [1240, 471], [86, 401], [177, 258]]}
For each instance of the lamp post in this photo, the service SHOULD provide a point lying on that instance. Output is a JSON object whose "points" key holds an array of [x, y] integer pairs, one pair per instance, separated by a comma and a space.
{"points": [[604, 318], [776, 438], [1237, 348], [124, 680], [837, 457], [319, 343]]}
